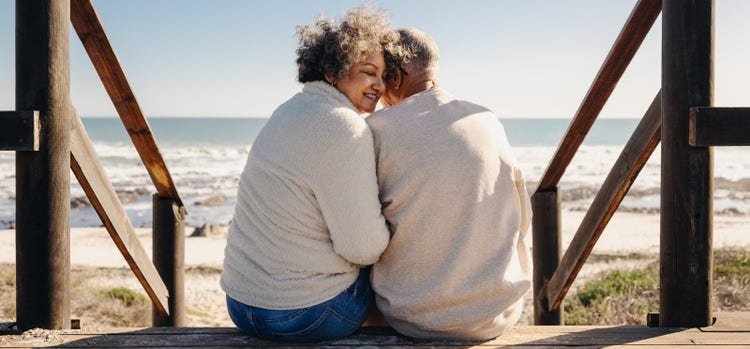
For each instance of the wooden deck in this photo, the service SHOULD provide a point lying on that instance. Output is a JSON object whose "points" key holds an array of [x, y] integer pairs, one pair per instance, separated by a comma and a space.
{"points": [[731, 330]]}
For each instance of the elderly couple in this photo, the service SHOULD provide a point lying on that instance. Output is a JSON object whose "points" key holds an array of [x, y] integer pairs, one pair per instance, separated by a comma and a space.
{"points": [[425, 191]]}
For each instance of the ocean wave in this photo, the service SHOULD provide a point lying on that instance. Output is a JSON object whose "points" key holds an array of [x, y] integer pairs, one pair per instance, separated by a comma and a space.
{"points": [[202, 170]]}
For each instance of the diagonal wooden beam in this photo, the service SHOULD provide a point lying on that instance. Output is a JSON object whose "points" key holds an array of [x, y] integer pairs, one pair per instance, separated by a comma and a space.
{"points": [[90, 174], [95, 41], [637, 26], [633, 157]]}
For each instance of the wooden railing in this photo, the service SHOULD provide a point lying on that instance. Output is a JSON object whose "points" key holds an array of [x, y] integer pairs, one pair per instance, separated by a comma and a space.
{"points": [[632, 159], [552, 276], [165, 286], [681, 115], [682, 118], [719, 127], [93, 179], [50, 140]]}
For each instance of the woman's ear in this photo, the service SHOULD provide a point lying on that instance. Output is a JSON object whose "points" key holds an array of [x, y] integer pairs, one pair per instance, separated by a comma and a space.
{"points": [[330, 79]]}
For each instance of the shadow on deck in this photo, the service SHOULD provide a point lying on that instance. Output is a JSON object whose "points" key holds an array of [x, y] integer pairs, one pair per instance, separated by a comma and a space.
{"points": [[730, 330]]}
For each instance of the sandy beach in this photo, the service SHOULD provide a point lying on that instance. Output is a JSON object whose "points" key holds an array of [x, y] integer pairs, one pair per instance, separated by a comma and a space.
{"points": [[626, 232], [630, 240]]}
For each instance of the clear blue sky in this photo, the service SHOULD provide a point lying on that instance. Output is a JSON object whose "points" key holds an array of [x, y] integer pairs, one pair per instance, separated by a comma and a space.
{"points": [[521, 58]]}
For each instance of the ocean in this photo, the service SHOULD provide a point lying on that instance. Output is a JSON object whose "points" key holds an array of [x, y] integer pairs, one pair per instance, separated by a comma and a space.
{"points": [[206, 156]]}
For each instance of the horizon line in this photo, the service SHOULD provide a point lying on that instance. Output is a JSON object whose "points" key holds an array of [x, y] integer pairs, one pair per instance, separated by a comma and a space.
{"points": [[266, 117]]}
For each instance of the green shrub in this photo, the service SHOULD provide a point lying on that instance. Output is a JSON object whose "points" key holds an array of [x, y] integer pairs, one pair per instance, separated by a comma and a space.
{"points": [[127, 296], [616, 282], [616, 297], [732, 279], [731, 263], [625, 297]]}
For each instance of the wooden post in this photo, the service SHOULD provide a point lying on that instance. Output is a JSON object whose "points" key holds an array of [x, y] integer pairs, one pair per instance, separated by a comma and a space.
{"points": [[687, 178], [547, 236], [169, 258], [43, 177]]}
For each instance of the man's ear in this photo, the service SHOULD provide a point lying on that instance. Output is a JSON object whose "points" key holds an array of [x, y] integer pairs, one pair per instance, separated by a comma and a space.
{"points": [[396, 79]]}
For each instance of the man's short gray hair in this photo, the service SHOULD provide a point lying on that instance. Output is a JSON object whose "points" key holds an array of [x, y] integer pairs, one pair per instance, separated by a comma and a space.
{"points": [[422, 52]]}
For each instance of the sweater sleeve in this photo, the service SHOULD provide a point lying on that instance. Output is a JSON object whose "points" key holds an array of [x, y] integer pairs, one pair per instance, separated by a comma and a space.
{"points": [[523, 197], [347, 192]]}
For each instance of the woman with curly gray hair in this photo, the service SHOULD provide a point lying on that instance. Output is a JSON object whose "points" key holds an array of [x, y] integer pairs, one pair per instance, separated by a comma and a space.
{"points": [[308, 220]]}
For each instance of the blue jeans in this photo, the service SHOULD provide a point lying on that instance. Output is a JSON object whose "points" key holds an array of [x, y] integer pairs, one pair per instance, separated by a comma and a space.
{"points": [[333, 319]]}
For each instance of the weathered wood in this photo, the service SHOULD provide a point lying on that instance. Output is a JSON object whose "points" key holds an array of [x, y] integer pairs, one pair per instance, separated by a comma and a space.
{"points": [[169, 258], [687, 173], [637, 26], [95, 41], [527, 336], [20, 130], [738, 321], [633, 157], [547, 237], [93, 179], [43, 177], [711, 126]]}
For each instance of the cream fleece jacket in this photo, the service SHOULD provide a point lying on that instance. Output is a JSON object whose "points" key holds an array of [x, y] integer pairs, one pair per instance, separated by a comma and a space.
{"points": [[307, 214], [457, 266]]}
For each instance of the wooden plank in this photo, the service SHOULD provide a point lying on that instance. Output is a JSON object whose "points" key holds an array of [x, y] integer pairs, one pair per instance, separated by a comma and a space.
{"points": [[686, 172], [547, 241], [730, 322], [711, 126], [169, 258], [20, 130], [90, 174], [637, 26], [633, 157], [43, 177], [531, 336], [95, 41]]}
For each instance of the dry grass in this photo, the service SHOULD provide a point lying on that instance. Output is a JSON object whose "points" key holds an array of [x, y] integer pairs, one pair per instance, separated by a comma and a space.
{"points": [[106, 307], [109, 297], [7, 292], [732, 279], [101, 297]]}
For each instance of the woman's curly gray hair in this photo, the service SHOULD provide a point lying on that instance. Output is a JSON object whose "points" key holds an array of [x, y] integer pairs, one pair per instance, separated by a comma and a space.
{"points": [[332, 48]]}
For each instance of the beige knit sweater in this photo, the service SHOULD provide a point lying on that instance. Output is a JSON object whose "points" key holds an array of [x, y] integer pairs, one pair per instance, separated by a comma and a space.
{"points": [[457, 265], [307, 214]]}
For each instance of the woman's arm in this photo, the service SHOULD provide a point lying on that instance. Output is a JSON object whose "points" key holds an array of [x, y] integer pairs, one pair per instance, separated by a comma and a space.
{"points": [[346, 189]]}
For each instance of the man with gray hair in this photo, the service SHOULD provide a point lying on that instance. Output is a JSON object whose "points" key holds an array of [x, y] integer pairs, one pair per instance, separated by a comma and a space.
{"points": [[457, 265]]}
